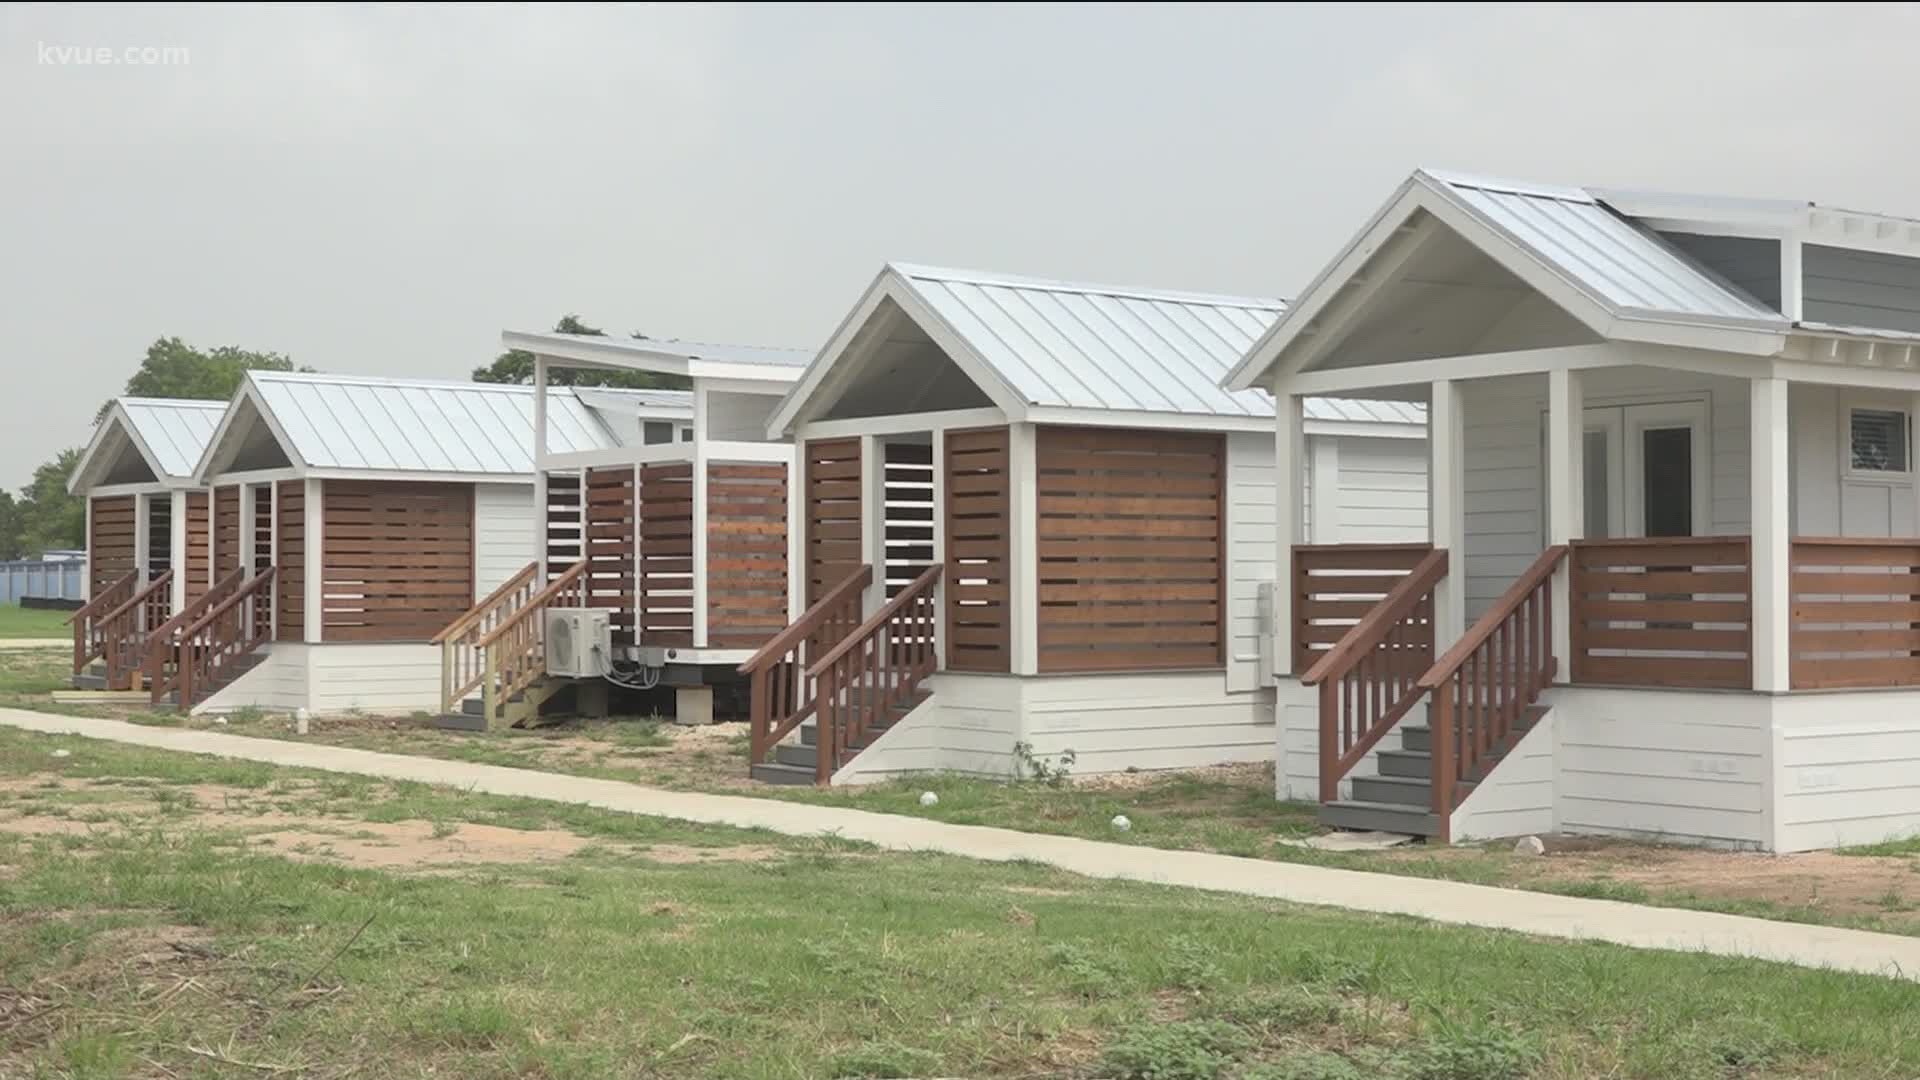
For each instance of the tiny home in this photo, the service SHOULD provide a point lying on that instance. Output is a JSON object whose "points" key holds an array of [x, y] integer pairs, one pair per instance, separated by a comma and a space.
{"points": [[1028, 522], [353, 519], [146, 522], [1669, 588]]}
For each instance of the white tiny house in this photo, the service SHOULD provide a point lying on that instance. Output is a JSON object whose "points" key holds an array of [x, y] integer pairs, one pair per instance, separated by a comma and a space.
{"points": [[1673, 520]]}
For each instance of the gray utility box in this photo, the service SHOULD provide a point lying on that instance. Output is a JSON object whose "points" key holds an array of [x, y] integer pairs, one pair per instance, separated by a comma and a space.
{"points": [[579, 642]]}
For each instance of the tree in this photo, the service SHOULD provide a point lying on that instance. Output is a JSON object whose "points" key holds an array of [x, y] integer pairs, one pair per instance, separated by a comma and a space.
{"points": [[46, 517], [516, 366], [9, 527], [174, 369]]}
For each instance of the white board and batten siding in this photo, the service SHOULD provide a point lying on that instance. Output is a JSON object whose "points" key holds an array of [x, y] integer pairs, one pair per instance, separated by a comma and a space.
{"points": [[503, 524]]}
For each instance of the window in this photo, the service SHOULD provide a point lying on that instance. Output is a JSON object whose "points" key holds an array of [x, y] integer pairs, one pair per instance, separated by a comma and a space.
{"points": [[686, 434], [655, 432], [1878, 438]]}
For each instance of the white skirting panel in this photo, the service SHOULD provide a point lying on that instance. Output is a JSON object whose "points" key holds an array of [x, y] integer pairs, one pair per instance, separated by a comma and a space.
{"points": [[1846, 768], [338, 678], [1516, 799], [1296, 772], [1112, 723]]}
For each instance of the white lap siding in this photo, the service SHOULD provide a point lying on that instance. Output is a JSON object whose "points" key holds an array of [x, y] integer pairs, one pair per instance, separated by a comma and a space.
{"points": [[502, 533]]}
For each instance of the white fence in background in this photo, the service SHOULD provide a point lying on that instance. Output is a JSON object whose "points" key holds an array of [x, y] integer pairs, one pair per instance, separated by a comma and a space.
{"points": [[56, 580]]}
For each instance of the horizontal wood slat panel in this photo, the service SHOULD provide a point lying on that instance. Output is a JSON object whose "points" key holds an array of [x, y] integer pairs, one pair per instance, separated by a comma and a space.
{"points": [[664, 605], [197, 560], [1335, 585], [611, 528], [110, 548], [978, 542], [833, 507], [396, 558], [746, 554], [1672, 611], [1131, 527], [1855, 613], [226, 530], [290, 592]]}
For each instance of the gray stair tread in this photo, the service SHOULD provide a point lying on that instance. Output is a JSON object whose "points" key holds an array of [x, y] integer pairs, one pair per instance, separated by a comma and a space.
{"points": [[775, 773], [1385, 817], [801, 754]]}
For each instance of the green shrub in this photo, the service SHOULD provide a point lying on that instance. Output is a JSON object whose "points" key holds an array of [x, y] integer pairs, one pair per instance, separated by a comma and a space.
{"points": [[1086, 976], [1191, 964], [1291, 1008], [1316, 1065], [880, 1060], [1187, 1050]]}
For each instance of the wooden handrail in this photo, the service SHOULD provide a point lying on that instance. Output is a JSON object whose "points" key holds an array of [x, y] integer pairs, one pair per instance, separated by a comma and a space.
{"points": [[879, 618], [161, 641], [861, 681], [782, 643], [94, 604], [781, 695], [537, 601], [1530, 579], [1367, 633], [200, 662], [1661, 541], [251, 586], [146, 591], [480, 610]]}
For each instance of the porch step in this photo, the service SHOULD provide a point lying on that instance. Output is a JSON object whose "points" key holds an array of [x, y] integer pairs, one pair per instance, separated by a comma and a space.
{"points": [[773, 772], [86, 680], [1380, 817], [1395, 790]]}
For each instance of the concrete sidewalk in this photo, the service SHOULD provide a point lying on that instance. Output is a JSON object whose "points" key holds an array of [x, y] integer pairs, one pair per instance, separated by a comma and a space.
{"points": [[1891, 955], [30, 643]]}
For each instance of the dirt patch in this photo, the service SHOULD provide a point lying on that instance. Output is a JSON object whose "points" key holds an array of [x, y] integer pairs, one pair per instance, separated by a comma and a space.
{"points": [[678, 855], [407, 845]]}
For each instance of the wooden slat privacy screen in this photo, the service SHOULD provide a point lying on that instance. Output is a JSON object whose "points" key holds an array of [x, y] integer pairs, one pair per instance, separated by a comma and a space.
{"points": [[666, 554], [563, 523], [1662, 611], [979, 617], [1335, 585], [612, 517], [397, 559], [833, 492], [290, 592], [746, 554], [199, 532], [159, 534], [262, 528], [226, 530], [1130, 558], [1856, 613], [110, 543], [907, 517]]}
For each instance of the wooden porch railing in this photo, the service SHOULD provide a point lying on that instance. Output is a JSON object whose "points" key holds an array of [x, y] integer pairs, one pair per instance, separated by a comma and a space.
{"points": [[1336, 585], [1367, 679], [1662, 611], [463, 664], [1856, 613], [515, 651], [163, 657], [781, 693], [127, 627], [89, 644], [222, 637], [1489, 678], [878, 667]]}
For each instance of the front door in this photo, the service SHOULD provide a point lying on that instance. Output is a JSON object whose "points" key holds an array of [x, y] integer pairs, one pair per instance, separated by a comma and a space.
{"points": [[1645, 470]]}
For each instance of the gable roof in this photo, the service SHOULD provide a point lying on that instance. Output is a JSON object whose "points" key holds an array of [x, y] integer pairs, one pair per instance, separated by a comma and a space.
{"points": [[169, 434], [1036, 343], [355, 423], [1613, 273]]}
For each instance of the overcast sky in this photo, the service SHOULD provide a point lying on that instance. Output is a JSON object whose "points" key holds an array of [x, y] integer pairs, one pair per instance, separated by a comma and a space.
{"points": [[382, 190]]}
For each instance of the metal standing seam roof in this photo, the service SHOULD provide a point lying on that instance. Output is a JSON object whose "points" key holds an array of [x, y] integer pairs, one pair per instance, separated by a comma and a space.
{"points": [[1368, 411], [1617, 260], [175, 431], [716, 352], [353, 422], [1072, 345]]}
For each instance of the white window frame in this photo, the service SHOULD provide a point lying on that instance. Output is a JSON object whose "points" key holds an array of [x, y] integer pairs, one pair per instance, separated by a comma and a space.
{"points": [[1851, 405]]}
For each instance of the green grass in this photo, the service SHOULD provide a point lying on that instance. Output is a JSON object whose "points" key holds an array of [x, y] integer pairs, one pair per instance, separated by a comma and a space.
{"points": [[19, 622], [822, 960]]}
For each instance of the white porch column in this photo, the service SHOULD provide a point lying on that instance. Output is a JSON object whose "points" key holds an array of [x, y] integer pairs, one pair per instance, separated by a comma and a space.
{"points": [[699, 539], [540, 473], [797, 531], [873, 517], [1290, 464], [940, 544], [1566, 502], [1769, 438], [314, 540], [177, 551], [1023, 549], [1446, 512]]}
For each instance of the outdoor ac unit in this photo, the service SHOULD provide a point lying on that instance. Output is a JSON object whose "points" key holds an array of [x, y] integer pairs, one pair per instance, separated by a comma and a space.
{"points": [[579, 642]]}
